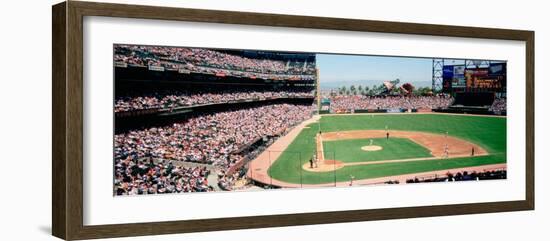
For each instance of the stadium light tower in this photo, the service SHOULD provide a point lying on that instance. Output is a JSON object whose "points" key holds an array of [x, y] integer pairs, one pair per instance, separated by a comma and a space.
{"points": [[437, 74], [317, 90]]}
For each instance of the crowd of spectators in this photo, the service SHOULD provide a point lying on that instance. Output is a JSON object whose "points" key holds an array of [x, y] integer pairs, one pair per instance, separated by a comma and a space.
{"points": [[463, 176], [210, 61], [499, 105], [211, 138], [227, 181], [139, 176], [176, 98], [362, 102]]}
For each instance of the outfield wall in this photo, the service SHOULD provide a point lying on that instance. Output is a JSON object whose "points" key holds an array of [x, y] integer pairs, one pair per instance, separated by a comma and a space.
{"points": [[455, 110], [395, 110]]}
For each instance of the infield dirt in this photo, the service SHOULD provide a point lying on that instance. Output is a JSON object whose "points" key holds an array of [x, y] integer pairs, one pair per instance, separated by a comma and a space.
{"points": [[437, 144]]}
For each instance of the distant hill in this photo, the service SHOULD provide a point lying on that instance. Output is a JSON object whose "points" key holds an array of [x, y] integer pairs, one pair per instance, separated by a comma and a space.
{"points": [[369, 83]]}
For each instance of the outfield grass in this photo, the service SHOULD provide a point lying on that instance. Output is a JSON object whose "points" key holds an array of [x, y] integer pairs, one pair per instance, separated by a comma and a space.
{"points": [[487, 132], [392, 149]]}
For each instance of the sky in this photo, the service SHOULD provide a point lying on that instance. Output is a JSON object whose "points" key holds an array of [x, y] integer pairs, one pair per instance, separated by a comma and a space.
{"points": [[353, 68]]}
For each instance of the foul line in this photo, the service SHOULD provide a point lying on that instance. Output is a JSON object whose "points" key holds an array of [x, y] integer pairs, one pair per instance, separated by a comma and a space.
{"points": [[320, 149]]}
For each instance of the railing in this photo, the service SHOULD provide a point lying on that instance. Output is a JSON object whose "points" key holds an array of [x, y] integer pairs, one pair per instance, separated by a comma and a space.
{"points": [[166, 108], [224, 72]]}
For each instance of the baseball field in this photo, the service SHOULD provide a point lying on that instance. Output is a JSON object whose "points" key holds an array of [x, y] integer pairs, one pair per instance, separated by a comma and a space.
{"points": [[370, 146]]}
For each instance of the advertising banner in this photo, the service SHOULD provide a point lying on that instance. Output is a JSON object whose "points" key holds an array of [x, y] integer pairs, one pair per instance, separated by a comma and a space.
{"points": [[458, 76], [184, 71], [448, 71], [121, 64], [393, 110], [458, 71], [156, 68]]}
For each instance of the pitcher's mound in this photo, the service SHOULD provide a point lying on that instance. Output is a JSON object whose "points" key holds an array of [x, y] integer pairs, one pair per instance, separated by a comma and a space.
{"points": [[371, 148]]}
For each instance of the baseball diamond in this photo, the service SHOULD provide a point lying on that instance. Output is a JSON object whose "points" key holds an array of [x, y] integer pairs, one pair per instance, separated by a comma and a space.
{"points": [[415, 147]]}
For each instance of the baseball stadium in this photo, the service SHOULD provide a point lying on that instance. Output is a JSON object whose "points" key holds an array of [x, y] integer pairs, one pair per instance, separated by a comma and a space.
{"points": [[201, 120]]}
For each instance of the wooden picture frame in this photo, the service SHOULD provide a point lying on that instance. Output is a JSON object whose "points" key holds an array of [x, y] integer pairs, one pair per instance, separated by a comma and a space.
{"points": [[67, 124]]}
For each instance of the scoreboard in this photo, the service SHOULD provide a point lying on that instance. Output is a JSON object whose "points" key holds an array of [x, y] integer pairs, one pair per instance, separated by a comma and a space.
{"points": [[460, 78]]}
